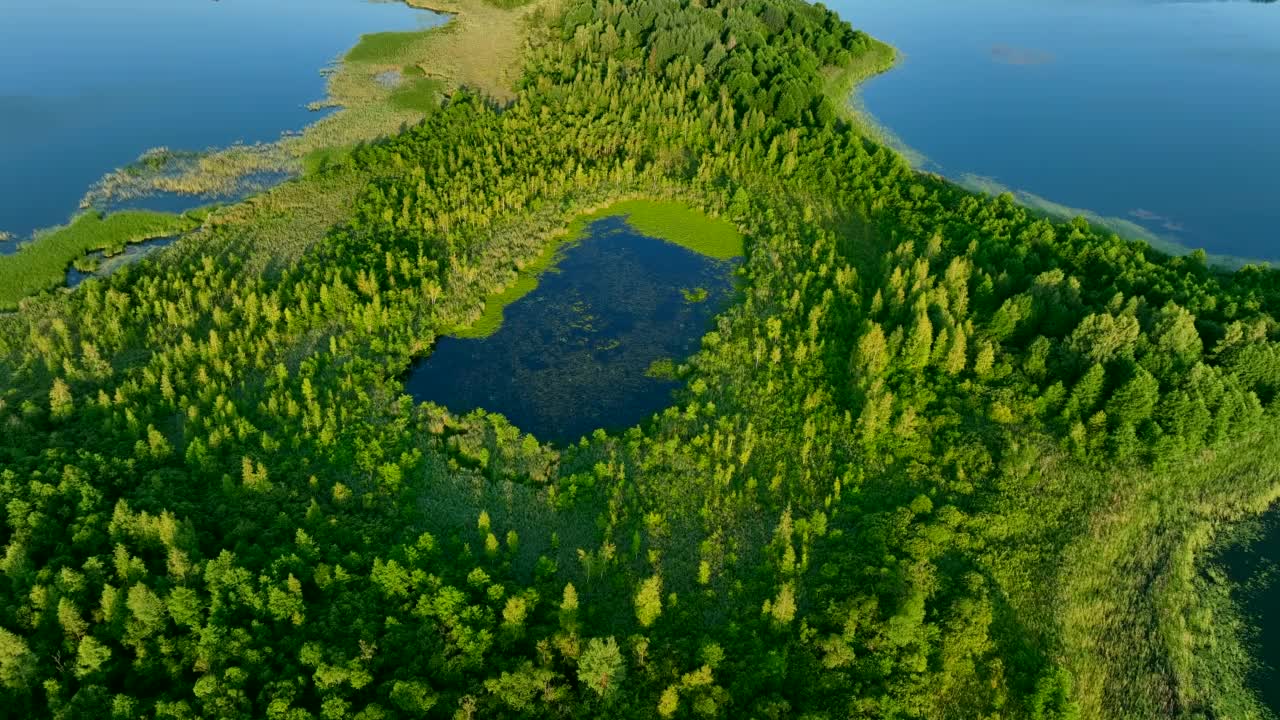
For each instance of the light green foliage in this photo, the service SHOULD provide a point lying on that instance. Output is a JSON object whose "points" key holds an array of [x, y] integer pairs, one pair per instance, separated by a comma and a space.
{"points": [[17, 663], [602, 667], [1099, 338], [669, 702], [90, 656], [783, 607], [60, 401], [649, 601], [525, 688]]}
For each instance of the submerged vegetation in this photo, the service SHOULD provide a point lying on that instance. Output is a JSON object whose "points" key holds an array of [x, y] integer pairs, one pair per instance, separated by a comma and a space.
{"points": [[668, 220], [944, 458]]}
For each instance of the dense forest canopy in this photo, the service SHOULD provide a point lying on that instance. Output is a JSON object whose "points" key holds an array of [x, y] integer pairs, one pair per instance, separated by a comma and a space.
{"points": [[943, 459]]}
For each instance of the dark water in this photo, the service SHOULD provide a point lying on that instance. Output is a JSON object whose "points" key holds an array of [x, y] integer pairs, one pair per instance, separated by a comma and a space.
{"points": [[572, 355], [86, 86], [1163, 113], [1253, 567], [107, 265]]}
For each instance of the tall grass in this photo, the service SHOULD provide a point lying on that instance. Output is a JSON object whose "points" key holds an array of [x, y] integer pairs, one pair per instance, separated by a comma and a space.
{"points": [[42, 264], [1146, 629], [420, 95], [384, 48]]}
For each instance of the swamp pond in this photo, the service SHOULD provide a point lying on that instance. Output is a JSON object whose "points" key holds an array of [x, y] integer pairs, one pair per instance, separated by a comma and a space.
{"points": [[575, 353]]}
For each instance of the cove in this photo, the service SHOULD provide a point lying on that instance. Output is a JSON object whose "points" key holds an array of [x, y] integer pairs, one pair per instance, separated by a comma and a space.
{"points": [[574, 354], [99, 264], [86, 87], [1159, 114]]}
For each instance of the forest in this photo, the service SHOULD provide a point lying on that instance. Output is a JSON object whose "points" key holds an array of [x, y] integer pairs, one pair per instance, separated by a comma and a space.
{"points": [[943, 458]]}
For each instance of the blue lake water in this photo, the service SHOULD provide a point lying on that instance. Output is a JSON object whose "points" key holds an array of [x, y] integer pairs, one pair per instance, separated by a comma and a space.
{"points": [[573, 355], [86, 86], [1163, 113]]}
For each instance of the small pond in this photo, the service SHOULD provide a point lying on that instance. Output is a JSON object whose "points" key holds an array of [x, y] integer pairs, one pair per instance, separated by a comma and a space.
{"points": [[575, 353]]}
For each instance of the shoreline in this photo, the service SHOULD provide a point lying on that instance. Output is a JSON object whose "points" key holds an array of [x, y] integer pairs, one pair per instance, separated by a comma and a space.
{"points": [[1187, 577], [885, 57], [366, 108]]}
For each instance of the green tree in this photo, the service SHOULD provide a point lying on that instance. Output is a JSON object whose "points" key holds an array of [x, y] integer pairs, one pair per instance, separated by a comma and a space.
{"points": [[602, 667], [649, 600], [17, 662], [919, 339], [61, 403], [1101, 337], [91, 655], [521, 689]]}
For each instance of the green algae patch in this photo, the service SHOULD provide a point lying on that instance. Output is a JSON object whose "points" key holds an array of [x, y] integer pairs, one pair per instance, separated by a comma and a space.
{"points": [[667, 220], [674, 222], [42, 264]]}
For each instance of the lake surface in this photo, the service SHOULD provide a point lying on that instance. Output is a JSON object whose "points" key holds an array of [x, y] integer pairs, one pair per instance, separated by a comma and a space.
{"points": [[87, 86], [1162, 113], [572, 355]]}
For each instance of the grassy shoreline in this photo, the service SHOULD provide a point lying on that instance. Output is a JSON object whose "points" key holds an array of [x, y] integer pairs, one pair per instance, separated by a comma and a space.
{"points": [[1143, 619], [428, 66], [669, 220], [42, 264], [1200, 656]]}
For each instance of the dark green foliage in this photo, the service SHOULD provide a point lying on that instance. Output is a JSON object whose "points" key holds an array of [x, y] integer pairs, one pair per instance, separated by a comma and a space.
{"points": [[218, 502]]}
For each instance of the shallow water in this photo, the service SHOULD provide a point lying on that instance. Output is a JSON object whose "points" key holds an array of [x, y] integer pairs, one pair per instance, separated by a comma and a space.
{"points": [[1161, 113], [572, 355], [87, 86], [107, 265]]}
